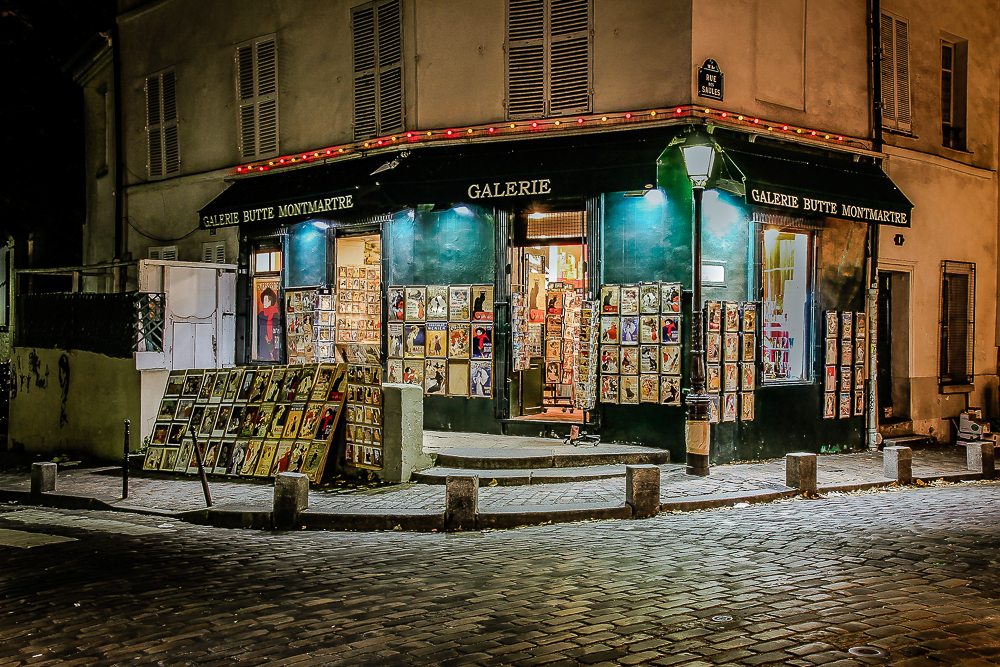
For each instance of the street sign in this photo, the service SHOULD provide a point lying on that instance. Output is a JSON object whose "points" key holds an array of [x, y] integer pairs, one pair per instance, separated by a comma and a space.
{"points": [[710, 80]]}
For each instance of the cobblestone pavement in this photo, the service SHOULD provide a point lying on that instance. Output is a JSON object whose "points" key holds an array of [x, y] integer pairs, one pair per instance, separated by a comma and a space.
{"points": [[186, 493], [911, 572]]}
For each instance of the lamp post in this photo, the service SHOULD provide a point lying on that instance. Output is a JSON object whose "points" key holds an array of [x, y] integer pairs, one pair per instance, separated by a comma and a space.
{"points": [[699, 158]]}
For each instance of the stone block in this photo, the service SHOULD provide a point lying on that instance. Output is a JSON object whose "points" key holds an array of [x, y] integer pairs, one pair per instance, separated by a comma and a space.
{"points": [[980, 457], [642, 490], [800, 472], [43, 478], [291, 497], [461, 502], [897, 464], [402, 432]]}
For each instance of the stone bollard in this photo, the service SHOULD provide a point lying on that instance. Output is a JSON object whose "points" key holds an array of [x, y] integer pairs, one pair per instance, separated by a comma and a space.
{"points": [[43, 479], [402, 432], [461, 502], [291, 496], [979, 457], [897, 464], [800, 472], [642, 490]]}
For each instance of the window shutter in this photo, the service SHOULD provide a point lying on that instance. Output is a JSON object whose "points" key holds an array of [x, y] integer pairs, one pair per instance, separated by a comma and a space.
{"points": [[902, 43], [958, 322], [213, 252], [895, 70], [390, 68], [888, 72], [163, 252], [257, 92], [377, 36], [161, 125], [171, 154], [570, 59], [525, 58]]}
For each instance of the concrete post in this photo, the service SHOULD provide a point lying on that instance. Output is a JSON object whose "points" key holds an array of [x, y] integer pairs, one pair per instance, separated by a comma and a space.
{"points": [[979, 457], [461, 502], [402, 432], [897, 464], [800, 472], [642, 490], [291, 496], [43, 478]]}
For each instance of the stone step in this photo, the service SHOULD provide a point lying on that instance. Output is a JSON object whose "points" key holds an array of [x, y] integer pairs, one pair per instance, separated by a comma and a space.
{"points": [[438, 475], [910, 440], [534, 459]]}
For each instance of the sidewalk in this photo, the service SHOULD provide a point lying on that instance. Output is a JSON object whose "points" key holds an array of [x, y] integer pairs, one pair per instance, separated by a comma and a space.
{"points": [[419, 506]]}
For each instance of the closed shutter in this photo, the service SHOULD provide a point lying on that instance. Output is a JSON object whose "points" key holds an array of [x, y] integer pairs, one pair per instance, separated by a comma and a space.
{"points": [[377, 36], [958, 322], [895, 72], [548, 57], [161, 126], [257, 92], [163, 252], [213, 252]]}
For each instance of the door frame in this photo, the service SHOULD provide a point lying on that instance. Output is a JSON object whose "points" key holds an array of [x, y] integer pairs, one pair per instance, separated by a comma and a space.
{"points": [[899, 334]]}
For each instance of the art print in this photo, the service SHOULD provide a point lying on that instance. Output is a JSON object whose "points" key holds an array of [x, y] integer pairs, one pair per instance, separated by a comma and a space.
{"points": [[177, 431], [169, 459], [670, 298], [628, 390], [554, 303], [552, 372], [459, 303], [731, 351], [609, 359], [294, 420], [860, 352], [609, 331], [416, 300], [482, 341], [211, 456], [670, 359], [327, 421], [832, 324], [396, 303], [237, 457], [269, 326], [748, 377], [831, 351], [314, 457], [168, 407], [649, 298], [846, 325], [860, 325], [859, 378], [482, 303], [458, 378], [437, 339], [628, 362], [184, 408], [731, 379], [649, 329], [395, 342], [458, 340], [321, 383], [846, 353], [175, 383], [221, 420], [830, 383], [282, 457], [414, 338], [153, 458], [750, 317], [731, 309], [670, 329], [413, 371], [609, 389], [437, 302], [747, 407], [291, 383], [629, 300], [846, 377], [192, 384], [714, 315], [859, 403], [481, 379], [305, 385], [844, 405], [553, 349], [649, 358], [729, 407], [394, 371], [748, 347], [649, 388], [670, 390], [206, 386], [232, 385], [278, 420], [630, 330], [713, 347], [267, 452], [829, 405], [435, 376], [610, 299], [713, 375], [184, 456]]}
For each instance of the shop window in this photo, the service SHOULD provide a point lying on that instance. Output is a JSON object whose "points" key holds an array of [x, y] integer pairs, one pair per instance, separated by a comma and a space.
{"points": [[549, 57], [267, 261], [257, 94], [378, 68], [895, 72], [161, 125], [953, 78], [785, 283], [267, 336], [958, 323], [306, 261]]}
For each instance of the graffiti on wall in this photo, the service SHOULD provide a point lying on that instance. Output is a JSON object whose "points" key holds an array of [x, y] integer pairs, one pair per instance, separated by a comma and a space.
{"points": [[36, 375]]}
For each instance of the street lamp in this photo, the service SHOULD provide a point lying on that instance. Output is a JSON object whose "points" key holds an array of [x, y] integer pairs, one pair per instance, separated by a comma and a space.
{"points": [[699, 158]]}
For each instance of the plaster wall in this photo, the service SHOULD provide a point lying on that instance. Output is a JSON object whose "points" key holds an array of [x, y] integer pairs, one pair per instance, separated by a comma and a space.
{"points": [[99, 174], [152, 385], [800, 62], [73, 402]]}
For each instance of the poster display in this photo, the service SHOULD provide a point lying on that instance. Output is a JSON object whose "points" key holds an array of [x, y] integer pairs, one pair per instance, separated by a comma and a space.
{"points": [[358, 306], [845, 372], [268, 332], [364, 416], [731, 359]]}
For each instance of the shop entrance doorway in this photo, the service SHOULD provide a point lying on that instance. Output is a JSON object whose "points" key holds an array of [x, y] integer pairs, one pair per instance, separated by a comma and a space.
{"points": [[549, 281], [893, 347]]}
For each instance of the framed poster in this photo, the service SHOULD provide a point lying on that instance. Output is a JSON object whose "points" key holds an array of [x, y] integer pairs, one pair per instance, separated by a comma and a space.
{"points": [[413, 371], [535, 304], [846, 353], [396, 301], [394, 371], [437, 340], [729, 407], [649, 298], [416, 304], [649, 359], [268, 332], [845, 405], [609, 359], [628, 388], [713, 374], [860, 325], [714, 408], [748, 377], [713, 347], [732, 377], [670, 329], [670, 298], [714, 314], [832, 325], [610, 299], [609, 388], [459, 303], [192, 384], [458, 340], [629, 360], [748, 347], [859, 378], [482, 303], [830, 383], [829, 405], [552, 372], [175, 382], [437, 302], [414, 337], [629, 300], [649, 388], [746, 407], [630, 330], [481, 379], [831, 351], [649, 329], [750, 317], [846, 377], [169, 458], [435, 374], [859, 403], [670, 389], [395, 346], [731, 352], [609, 331], [482, 341], [670, 359], [846, 324], [732, 316]]}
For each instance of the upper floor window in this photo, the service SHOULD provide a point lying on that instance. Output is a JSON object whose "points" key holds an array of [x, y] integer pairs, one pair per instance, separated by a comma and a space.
{"points": [[895, 71], [953, 77], [378, 68], [257, 93], [161, 125], [549, 57], [958, 323]]}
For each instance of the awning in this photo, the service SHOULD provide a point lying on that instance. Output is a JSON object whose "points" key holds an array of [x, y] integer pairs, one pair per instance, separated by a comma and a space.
{"points": [[804, 183], [443, 174]]}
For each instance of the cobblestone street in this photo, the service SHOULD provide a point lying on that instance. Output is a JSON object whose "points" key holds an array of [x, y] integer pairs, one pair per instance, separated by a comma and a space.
{"points": [[911, 572]]}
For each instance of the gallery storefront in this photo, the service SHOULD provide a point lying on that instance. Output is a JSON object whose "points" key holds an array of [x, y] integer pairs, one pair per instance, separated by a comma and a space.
{"points": [[529, 286]]}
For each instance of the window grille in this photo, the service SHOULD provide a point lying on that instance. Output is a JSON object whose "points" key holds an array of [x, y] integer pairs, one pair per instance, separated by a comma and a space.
{"points": [[895, 70], [149, 322], [161, 125], [378, 68], [549, 61], [257, 93], [566, 225], [958, 322]]}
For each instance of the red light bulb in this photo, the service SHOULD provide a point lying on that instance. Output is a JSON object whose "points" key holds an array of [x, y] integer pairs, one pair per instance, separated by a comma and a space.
{"points": [[579, 120], [628, 115], [492, 130], [534, 125]]}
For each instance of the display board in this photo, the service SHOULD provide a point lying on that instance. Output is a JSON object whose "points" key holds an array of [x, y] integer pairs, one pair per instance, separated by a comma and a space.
{"points": [[300, 326], [364, 416], [845, 369], [731, 359], [584, 396]]}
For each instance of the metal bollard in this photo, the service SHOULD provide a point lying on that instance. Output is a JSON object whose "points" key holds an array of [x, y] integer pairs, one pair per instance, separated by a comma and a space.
{"points": [[125, 463], [201, 470]]}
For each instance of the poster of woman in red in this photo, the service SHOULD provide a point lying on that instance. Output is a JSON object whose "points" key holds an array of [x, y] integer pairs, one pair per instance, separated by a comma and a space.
{"points": [[270, 322]]}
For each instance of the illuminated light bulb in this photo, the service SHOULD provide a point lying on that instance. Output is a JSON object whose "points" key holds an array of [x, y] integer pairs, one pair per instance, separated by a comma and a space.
{"points": [[448, 133], [652, 113], [784, 127], [739, 118], [756, 121], [393, 138], [470, 130], [813, 133], [428, 133], [799, 131], [603, 118], [260, 168], [409, 135], [534, 125], [557, 122], [291, 159], [678, 109], [840, 138], [271, 163], [305, 155], [724, 114], [826, 136], [379, 142], [315, 154], [492, 130], [708, 111], [628, 115], [281, 161], [341, 150], [328, 151], [579, 120], [366, 144]]}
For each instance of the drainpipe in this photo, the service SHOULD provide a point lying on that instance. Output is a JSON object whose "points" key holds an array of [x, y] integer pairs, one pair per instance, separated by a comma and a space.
{"points": [[875, 44]]}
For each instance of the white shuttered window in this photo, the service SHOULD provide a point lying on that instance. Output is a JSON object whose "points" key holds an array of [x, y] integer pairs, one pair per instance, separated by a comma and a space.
{"points": [[161, 125], [257, 94], [895, 71], [549, 57], [378, 68]]}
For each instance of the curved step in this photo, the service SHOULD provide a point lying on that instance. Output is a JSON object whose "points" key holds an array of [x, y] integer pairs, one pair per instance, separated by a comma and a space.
{"points": [[534, 459], [487, 477]]}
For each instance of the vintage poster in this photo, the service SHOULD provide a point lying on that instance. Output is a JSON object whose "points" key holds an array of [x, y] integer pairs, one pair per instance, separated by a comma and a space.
{"points": [[670, 359], [293, 421], [649, 358], [829, 405], [184, 408], [750, 317], [860, 325], [553, 349], [373, 253], [746, 407], [435, 374], [610, 299], [237, 456], [414, 337], [649, 388], [251, 457], [458, 378], [554, 303], [269, 330], [437, 340], [609, 360], [482, 341], [629, 300], [169, 459], [859, 403], [670, 389], [609, 389], [847, 324], [536, 297], [184, 456], [748, 347], [732, 316], [175, 382], [192, 384], [832, 325], [860, 352], [859, 378], [552, 372], [395, 342], [458, 340], [670, 298], [459, 303], [609, 331], [207, 384], [628, 390], [413, 371], [845, 405], [748, 377], [649, 298], [222, 381], [846, 377], [314, 457], [846, 353], [394, 371], [729, 407], [267, 453], [731, 377], [168, 406], [831, 351], [630, 330], [396, 301], [416, 300], [670, 329], [714, 310], [482, 303], [649, 329], [281, 412], [437, 302], [713, 374], [628, 362], [152, 460], [731, 350], [481, 379], [713, 347]]}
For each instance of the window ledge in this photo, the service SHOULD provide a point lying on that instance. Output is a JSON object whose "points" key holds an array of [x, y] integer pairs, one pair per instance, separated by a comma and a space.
{"points": [[956, 388]]}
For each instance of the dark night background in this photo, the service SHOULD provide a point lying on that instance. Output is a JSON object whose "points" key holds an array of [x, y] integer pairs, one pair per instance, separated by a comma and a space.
{"points": [[42, 188]]}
